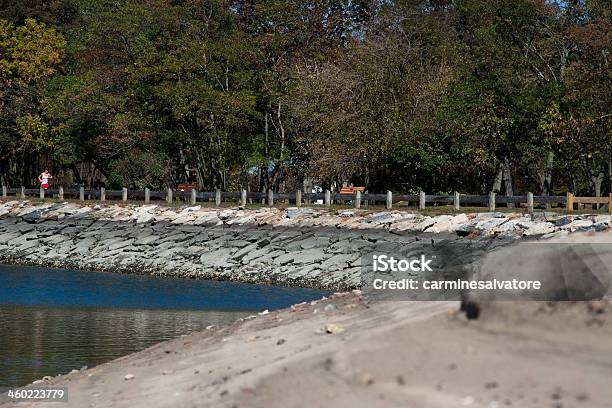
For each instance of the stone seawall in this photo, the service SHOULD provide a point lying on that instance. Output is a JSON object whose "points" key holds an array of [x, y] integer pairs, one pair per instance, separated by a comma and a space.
{"points": [[300, 247]]}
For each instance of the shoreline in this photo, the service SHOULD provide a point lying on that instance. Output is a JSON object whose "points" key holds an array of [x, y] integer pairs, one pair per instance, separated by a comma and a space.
{"points": [[347, 351], [290, 247]]}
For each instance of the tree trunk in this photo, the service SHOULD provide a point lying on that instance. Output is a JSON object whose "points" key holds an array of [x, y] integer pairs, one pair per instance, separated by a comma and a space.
{"points": [[508, 180], [610, 175], [597, 182], [498, 179], [545, 174]]}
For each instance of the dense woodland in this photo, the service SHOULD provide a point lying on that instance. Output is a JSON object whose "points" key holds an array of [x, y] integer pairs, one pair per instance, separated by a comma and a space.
{"points": [[440, 95]]}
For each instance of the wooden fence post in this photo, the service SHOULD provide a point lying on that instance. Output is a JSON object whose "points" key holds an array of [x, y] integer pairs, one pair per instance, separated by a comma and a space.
{"points": [[327, 198], [124, 195], [82, 193], [23, 192], [610, 204], [357, 199], [194, 196], [218, 197], [298, 198], [570, 202], [491, 201], [389, 200], [60, 193], [530, 202], [456, 201], [422, 200], [41, 193], [243, 198], [102, 194], [147, 195], [270, 198], [3, 191], [169, 196]]}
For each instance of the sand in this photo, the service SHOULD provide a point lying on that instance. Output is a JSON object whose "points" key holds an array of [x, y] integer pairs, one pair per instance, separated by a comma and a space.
{"points": [[346, 351]]}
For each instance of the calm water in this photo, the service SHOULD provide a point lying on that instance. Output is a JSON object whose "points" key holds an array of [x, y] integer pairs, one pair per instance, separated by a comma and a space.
{"points": [[52, 320]]}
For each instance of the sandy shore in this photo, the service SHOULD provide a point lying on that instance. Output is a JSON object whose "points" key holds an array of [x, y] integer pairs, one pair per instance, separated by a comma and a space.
{"points": [[345, 351]]}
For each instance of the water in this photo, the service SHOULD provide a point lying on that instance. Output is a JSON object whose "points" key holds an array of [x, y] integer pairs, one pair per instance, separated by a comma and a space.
{"points": [[54, 320]]}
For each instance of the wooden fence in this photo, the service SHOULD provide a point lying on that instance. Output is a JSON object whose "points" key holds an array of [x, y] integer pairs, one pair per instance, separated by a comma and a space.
{"points": [[299, 198], [572, 199]]}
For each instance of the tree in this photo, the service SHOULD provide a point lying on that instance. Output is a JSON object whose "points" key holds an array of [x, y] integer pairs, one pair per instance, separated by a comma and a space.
{"points": [[29, 55]]}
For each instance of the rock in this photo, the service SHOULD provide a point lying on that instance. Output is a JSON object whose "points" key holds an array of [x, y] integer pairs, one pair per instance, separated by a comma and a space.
{"points": [[532, 228], [300, 213], [129, 377], [562, 221], [346, 213], [425, 223], [488, 225], [458, 221], [465, 230], [383, 218], [441, 224], [333, 328], [33, 216]]}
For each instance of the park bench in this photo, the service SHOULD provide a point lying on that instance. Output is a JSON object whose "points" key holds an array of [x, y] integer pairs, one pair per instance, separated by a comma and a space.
{"points": [[351, 190], [186, 187]]}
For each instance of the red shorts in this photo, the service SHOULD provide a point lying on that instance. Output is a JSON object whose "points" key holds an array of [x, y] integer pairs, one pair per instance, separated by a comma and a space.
{"points": [[45, 186]]}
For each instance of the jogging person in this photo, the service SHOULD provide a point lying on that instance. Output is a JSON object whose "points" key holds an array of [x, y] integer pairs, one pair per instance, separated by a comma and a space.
{"points": [[44, 178]]}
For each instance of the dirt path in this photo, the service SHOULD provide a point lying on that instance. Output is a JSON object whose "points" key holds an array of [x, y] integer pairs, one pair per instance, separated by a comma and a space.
{"points": [[408, 354]]}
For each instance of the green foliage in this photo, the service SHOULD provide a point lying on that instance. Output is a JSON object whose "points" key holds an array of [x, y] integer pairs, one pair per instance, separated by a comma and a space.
{"points": [[29, 52], [414, 94], [140, 170]]}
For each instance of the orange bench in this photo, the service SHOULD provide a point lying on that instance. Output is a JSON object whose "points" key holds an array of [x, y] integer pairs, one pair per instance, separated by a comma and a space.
{"points": [[351, 190], [186, 187]]}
